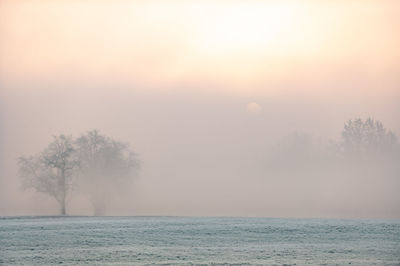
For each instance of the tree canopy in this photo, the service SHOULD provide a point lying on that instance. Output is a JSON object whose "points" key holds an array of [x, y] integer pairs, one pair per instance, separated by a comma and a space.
{"points": [[105, 164], [51, 171], [367, 137], [94, 163]]}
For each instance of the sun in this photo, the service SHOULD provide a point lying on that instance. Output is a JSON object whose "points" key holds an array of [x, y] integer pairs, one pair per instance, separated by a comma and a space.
{"points": [[253, 108]]}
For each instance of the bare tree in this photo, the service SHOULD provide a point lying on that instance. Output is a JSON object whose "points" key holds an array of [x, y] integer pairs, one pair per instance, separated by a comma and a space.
{"points": [[51, 171], [104, 166], [367, 137]]}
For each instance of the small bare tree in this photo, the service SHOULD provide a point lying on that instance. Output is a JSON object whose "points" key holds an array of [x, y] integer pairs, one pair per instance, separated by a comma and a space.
{"points": [[50, 172], [105, 165], [367, 137]]}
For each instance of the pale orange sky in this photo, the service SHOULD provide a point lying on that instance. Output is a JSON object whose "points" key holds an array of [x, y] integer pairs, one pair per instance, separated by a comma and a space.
{"points": [[243, 45], [200, 89]]}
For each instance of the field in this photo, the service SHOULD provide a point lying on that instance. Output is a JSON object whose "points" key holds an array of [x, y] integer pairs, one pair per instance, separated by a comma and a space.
{"points": [[188, 240]]}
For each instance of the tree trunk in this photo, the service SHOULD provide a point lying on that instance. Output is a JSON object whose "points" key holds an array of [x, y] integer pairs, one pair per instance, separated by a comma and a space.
{"points": [[62, 205], [64, 192]]}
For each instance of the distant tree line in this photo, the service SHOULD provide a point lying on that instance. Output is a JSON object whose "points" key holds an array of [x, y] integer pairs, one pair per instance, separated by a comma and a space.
{"points": [[365, 149], [93, 163]]}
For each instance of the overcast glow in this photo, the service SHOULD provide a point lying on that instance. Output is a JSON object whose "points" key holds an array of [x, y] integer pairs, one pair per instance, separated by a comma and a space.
{"points": [[204, 91]]}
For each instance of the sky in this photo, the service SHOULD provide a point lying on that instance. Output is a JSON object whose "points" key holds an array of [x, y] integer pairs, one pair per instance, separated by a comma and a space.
{"points": [[201, 90]]}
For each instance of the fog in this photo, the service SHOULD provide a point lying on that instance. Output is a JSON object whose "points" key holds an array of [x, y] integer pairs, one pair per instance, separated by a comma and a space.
{"points": [[207, 123]]}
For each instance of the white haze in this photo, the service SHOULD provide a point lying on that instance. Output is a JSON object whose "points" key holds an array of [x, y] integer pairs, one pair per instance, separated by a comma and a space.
{"points": [[203, 133], [201, 152]]}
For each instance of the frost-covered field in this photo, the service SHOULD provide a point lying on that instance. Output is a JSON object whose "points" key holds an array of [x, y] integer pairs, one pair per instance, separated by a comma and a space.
{"points": [[178, 240]]}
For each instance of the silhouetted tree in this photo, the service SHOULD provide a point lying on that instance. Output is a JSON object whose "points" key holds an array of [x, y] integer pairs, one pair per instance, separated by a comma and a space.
{"points": [[367, 137], [104, 166], [50, 172]]}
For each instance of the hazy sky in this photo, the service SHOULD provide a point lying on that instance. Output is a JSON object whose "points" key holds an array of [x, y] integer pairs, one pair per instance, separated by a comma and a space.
{"points": [[200, 89]]}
